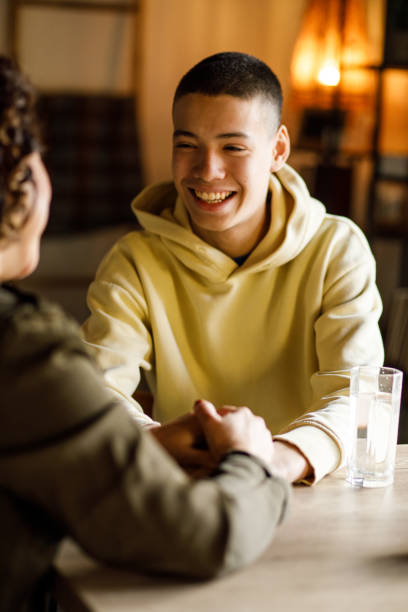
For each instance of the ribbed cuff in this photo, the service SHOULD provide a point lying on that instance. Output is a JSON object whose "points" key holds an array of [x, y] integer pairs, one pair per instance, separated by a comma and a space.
{"points": [[254, 458]]}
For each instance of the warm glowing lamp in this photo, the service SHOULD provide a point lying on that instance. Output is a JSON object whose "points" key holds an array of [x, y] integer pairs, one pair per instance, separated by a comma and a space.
{"points": [[329, 74], [329, 79], [330, 54]]}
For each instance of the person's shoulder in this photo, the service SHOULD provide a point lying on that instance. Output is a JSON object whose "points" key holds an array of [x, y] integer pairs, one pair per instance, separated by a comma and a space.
{"points": [[32, 322], [127, 251], [131, 250], [343, 234], [340, 222], [17, 305], [342, 227]]}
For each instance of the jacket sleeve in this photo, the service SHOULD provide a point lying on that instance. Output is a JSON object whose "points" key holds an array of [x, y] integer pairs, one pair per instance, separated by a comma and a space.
{"points": [[346, 334], [119, 329], [77, 456]]}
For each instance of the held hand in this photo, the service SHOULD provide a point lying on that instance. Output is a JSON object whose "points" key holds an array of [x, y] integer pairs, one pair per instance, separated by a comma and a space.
{"points": [[232, 428], [183, 438]]}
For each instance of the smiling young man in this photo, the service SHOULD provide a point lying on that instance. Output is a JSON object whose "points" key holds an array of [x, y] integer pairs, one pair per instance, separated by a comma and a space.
{"points": [[222, 157], [239, 288]]}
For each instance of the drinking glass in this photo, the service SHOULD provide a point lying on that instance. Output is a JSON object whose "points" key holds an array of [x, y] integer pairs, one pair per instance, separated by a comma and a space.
{"points": [[375, 397]]}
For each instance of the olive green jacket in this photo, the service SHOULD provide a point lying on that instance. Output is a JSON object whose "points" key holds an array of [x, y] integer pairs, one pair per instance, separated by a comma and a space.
{"points": [[74, 463]]}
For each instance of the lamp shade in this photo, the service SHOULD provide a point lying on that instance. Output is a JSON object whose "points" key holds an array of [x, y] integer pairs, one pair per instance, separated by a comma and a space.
{"points": [[330, 54]]}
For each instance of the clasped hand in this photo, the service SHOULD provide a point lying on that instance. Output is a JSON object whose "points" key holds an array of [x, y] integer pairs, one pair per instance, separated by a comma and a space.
{"points": [[199, 439]]}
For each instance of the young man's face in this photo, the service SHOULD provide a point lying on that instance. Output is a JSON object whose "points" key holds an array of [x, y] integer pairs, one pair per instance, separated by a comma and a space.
{"points": [[224, 149]]}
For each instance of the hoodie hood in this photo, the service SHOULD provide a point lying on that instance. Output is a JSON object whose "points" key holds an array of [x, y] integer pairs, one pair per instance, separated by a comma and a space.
{"points": [[295, 218]]}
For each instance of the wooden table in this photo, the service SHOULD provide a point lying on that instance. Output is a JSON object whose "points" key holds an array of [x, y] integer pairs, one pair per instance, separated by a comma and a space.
{"points": [[341, 549]]}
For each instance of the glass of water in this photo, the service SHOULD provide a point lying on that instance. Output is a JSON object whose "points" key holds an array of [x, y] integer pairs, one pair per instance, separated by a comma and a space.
{"points": [[375, 398]]}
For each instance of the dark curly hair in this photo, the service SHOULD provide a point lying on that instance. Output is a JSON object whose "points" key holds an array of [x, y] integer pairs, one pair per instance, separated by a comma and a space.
{"points": [[19, 136]]}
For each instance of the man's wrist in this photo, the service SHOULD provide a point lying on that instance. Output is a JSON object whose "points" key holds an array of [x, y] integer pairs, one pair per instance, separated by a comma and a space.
{"points": [[289, 462]]}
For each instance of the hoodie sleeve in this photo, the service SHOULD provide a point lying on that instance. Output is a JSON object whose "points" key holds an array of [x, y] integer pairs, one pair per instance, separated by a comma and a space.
{"points": [[346, 334], [118, 330]]}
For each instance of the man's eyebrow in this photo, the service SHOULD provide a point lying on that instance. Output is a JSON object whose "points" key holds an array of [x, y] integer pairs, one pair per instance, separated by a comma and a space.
{"points": [[220, 136], [233, 135], [183, 133]]}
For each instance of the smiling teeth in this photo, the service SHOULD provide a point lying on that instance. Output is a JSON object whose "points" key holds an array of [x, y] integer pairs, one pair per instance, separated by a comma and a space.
{"points": [[213, 197]]}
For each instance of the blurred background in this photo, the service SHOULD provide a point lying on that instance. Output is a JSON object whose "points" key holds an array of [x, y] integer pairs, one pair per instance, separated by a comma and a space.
{"points": [[106, 72]]}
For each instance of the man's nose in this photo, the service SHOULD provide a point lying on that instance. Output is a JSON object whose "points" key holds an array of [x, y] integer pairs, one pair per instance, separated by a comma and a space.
{"points": [[209, 166]]}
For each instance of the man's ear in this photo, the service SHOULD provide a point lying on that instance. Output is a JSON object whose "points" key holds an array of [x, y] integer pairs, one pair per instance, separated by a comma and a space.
{"points": [[281, 148]]}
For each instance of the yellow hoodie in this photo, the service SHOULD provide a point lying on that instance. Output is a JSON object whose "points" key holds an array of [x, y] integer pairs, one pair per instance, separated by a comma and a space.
{"points": [[265, 334]]}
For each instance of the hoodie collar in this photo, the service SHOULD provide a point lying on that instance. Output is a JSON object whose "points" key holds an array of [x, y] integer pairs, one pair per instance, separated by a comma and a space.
{"points": [[295, 218]]}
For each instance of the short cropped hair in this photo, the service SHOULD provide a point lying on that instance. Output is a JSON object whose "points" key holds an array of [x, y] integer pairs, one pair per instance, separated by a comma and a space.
{"points": [[235, 74], [19, 136]]}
